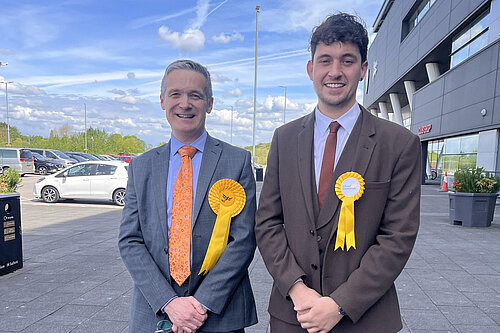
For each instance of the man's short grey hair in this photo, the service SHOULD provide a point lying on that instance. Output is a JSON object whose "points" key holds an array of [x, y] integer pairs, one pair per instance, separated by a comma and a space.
{"points": [[192, 66]]}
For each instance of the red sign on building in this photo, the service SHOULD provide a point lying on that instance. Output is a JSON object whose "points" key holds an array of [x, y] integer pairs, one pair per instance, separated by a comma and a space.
{"points": [[424, 129]]}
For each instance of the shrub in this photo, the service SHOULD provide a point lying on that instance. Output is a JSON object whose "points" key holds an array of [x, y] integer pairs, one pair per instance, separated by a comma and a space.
{"points": [[10, 181], [475, 181]]}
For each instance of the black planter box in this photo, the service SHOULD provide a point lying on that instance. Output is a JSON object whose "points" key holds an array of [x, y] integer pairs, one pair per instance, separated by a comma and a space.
{"points": [[472, 209], [11, 247]]}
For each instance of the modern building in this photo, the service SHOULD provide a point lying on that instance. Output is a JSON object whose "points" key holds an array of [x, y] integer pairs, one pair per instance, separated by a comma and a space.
{"points": [[434, 67]]}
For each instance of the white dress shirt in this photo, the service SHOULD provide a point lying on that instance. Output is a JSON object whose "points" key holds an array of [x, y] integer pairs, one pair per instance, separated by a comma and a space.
{"points": [[321, 131]]}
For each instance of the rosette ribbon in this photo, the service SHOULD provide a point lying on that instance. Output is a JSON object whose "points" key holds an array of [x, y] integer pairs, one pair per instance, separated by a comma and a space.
{"points": [[349, 187], [227, 199]]}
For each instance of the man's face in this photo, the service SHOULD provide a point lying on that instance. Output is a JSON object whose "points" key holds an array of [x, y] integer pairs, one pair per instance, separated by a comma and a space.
{"points": [[336, 70], [185, 104]]}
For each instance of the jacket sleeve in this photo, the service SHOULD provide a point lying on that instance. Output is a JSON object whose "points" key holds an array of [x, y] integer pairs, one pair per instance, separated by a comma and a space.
{"points": [[385, 259], [145, 272], [219, 284], [269, 227]]}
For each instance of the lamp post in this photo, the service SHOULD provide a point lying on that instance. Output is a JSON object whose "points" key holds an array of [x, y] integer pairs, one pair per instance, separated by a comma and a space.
{"points": [[7, 107], [284, 106], [85, 110], [231, 139], [255, 80]]}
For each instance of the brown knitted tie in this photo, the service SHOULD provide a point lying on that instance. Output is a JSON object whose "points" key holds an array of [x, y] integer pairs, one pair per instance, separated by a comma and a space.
{"points": [[328, 162]]}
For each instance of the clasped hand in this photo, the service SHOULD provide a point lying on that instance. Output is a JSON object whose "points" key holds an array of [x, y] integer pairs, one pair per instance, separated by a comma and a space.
{"points": [[315, 313], [186, 314]]}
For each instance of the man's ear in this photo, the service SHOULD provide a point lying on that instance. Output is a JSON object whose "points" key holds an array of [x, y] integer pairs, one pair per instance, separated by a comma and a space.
{"points": [[210, 105], [161, 102], [310, 69], [364, 68]]}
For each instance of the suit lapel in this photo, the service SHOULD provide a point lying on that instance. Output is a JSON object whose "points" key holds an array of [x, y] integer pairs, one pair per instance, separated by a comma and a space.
{"points": [[159, 167], [211, 155], [306, 162], [355, 157]]}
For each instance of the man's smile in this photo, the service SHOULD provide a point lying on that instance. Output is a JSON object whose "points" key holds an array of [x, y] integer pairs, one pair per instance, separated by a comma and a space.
{"points": [[182, 115]]}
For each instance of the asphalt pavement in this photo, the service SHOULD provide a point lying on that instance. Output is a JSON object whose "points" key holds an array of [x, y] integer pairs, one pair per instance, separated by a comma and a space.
{"points": [[73, 279]]}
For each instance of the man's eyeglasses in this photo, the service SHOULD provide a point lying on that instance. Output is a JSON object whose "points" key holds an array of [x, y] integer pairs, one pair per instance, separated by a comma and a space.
{"points": [[163, 326]]}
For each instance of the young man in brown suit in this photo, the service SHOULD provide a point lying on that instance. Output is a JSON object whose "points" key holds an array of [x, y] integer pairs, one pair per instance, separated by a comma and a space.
{"points": [[328, 277]]}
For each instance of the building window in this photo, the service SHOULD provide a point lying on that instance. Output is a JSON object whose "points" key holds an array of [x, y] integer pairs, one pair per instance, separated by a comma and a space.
{"points": [[415, 16], [452, 154], [470, 40]]}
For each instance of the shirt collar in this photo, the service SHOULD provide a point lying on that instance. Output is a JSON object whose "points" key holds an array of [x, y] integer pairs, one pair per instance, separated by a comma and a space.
{"points": [[347, 120], [199, 144]]}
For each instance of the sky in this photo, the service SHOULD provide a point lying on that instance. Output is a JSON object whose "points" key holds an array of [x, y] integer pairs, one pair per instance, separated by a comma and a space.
{"points": [[109, 56]]}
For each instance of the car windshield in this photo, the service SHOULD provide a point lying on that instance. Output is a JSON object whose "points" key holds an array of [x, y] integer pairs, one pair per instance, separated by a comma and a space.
{"points": [[38, 156], [60, 154]]}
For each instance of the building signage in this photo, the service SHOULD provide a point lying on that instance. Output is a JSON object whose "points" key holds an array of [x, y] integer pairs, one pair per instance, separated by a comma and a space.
{"points": [[424, 129]]}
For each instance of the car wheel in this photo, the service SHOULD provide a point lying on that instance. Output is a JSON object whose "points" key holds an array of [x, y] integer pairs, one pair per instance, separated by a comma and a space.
{"points": [[4, 170], [42, 170], [119, 197], [50, 194]]}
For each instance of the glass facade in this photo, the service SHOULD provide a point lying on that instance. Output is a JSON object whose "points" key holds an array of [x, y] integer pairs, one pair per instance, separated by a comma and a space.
{"points": [[472, 39], [414, 17], [452, 154]]}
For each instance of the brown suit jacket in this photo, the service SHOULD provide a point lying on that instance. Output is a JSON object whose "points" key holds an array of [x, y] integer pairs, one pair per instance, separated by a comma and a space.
{"points": [[289, 223]]}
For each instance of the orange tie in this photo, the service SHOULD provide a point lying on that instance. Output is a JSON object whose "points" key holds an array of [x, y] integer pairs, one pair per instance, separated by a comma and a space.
{"points": [[179, 247], [328, 163]]}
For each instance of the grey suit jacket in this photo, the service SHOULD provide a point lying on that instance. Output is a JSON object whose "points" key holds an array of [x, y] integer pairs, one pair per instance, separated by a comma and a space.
{"points": [[290, 226], [143, 240]]}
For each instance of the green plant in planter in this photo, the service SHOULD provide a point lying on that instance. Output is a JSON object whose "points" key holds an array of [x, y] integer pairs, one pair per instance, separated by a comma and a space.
{"points": [[10, 181], [475, 181]]}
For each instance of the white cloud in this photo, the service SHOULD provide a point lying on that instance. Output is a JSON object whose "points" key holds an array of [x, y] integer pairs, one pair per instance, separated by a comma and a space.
{"points": [[233, 93], [130, 108], [219, 78], [129, 99], [21, 89], [201, 13], [223, 38], [191, 39]]}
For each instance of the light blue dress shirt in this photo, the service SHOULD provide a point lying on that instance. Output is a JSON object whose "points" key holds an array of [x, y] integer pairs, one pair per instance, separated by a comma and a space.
{"points": [[321, 131], [175, 166]]}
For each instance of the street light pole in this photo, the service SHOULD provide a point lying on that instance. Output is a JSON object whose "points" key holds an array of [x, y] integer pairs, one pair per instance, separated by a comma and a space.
{"points": [[231, 139], [7, 107], [255, 81], [85, 108], [284, 106]]}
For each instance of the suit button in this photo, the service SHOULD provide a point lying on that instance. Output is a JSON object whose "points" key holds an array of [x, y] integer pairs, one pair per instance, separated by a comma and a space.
{"points": [[313, 266], [311, 232], [318, 238]]}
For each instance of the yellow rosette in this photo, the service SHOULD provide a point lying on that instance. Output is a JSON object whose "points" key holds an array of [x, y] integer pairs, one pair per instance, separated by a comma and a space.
{"points": [[227, 199], [349, 188]]}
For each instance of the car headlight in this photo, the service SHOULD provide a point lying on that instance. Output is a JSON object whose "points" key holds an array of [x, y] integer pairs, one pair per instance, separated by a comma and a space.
{"points": [[40, 179]]}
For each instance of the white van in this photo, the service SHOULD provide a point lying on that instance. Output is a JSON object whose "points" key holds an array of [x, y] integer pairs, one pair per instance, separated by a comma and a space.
{"points": [[20, 159]]}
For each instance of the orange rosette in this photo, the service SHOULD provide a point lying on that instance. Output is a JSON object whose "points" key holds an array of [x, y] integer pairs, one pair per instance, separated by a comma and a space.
{"points": [[227, 199]]}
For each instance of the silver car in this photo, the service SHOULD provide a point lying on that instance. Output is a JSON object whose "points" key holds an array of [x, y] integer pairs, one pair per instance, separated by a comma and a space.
{"points": [[20, 159]]}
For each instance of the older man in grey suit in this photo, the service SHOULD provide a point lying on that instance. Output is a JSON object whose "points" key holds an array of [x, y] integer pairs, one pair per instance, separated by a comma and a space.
{"points": [[222, 299]]}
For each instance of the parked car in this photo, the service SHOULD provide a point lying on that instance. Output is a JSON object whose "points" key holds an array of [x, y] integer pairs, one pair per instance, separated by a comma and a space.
{"points": [[124, 158], [78, 158], [54, 154], [20, 159], [86, 156], [44, 166], [106, 180]]}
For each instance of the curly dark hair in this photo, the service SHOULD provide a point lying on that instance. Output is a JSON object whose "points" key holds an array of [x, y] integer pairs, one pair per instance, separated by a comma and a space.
{"points": [[341, 27]]}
